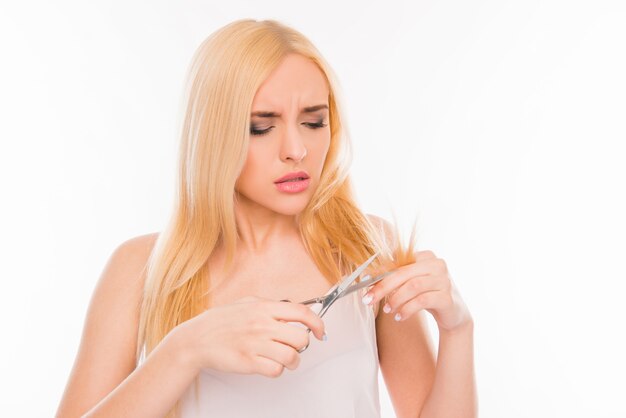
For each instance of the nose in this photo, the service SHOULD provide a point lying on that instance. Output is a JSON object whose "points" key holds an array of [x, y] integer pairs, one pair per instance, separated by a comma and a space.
{"points": [[292, 147]]}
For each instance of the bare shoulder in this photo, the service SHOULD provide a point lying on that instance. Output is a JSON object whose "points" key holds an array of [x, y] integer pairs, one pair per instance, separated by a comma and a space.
{"points": [[125, 268], [130, 257], [106, 354], [135, 249]]}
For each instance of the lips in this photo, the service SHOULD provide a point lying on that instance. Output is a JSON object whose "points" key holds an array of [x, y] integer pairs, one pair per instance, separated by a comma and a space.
{"points": [[299, 175]]}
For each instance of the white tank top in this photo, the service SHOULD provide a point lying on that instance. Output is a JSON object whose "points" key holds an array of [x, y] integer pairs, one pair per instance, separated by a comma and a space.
{"points": [[337, 378]]}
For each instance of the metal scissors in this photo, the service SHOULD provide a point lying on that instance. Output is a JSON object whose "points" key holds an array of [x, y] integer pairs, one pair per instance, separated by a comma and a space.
{"points": [[342, 289]]}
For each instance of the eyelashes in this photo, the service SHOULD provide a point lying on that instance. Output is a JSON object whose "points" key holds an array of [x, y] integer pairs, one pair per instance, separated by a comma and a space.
{"points": [[257, 132]]}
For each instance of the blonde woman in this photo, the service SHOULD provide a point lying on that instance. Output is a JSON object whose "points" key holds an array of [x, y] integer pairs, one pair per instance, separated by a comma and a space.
{"points": [[189, 322]]}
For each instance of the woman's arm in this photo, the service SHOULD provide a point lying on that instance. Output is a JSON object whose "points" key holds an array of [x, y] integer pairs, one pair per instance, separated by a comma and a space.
{"points": [[153, 388], [105, 379], [454, 389], [419, 384]]}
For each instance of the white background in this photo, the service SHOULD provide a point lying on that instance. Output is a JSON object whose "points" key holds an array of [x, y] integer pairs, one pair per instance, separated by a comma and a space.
{"points": [[499, 124]]}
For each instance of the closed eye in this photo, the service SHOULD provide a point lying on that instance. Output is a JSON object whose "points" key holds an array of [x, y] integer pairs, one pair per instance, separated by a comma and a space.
{"points": [[257, 132], [316, 125]]}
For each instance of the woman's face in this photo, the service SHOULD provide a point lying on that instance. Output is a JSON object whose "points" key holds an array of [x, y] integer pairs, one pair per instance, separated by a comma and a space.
{"points": [[287, 137]]}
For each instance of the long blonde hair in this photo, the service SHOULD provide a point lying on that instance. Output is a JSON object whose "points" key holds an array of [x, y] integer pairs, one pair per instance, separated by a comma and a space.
{"points": [[226, 70]]}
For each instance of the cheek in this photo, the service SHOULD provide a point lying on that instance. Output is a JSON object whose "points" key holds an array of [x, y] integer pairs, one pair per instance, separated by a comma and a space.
{"points": [[254, 169], [320, 150]]}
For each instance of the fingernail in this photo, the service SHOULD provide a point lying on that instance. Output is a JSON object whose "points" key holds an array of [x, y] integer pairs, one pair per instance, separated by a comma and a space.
{"points": [[387, 308], [324, 337], [367, 299], [397, 317]]}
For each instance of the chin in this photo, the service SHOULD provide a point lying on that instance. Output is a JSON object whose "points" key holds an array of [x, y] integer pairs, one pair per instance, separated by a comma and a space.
{"points": [[290, 209]]}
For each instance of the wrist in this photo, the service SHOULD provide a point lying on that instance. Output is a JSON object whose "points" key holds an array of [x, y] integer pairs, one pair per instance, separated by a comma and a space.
{"points": [[181, 350], [466, 328]]}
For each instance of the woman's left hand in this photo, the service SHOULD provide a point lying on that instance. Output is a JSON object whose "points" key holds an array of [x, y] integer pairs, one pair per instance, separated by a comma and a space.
{"points": [[424, 284]]}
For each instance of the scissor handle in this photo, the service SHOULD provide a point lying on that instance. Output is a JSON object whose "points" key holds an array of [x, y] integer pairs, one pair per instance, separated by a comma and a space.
{"points": [[307, 330]]}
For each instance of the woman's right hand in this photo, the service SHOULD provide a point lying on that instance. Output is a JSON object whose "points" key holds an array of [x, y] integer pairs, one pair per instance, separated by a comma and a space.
{"points": [[250, 335]]}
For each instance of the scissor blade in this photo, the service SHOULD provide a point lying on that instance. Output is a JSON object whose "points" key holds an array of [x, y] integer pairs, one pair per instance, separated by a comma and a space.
{"points": [[366, 282], [356, 273]]}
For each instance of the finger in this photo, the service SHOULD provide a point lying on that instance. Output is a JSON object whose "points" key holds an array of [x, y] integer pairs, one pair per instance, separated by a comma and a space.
{"points": [[290, 311], [288, 334], [428, 300], [267, 367], [398, 277], [412, 288], [391, 281], [281, 353], [293, 334]]}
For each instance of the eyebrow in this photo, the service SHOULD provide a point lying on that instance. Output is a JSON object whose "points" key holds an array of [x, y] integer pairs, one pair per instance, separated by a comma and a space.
{"points": [[267, 114]]}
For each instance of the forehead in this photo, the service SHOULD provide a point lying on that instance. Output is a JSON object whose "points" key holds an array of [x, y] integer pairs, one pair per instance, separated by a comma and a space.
{"points": [[297, 82]]}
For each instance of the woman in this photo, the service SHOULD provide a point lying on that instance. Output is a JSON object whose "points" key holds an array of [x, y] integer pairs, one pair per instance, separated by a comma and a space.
{"points": [[190, 322]]}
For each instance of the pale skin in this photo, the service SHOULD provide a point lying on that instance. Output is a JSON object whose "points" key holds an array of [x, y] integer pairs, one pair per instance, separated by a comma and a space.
{"points": [[104, 380], [404, 348]]}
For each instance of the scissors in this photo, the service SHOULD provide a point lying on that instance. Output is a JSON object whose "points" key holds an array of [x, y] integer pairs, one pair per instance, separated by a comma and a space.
{"points": [[342, 289]]}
